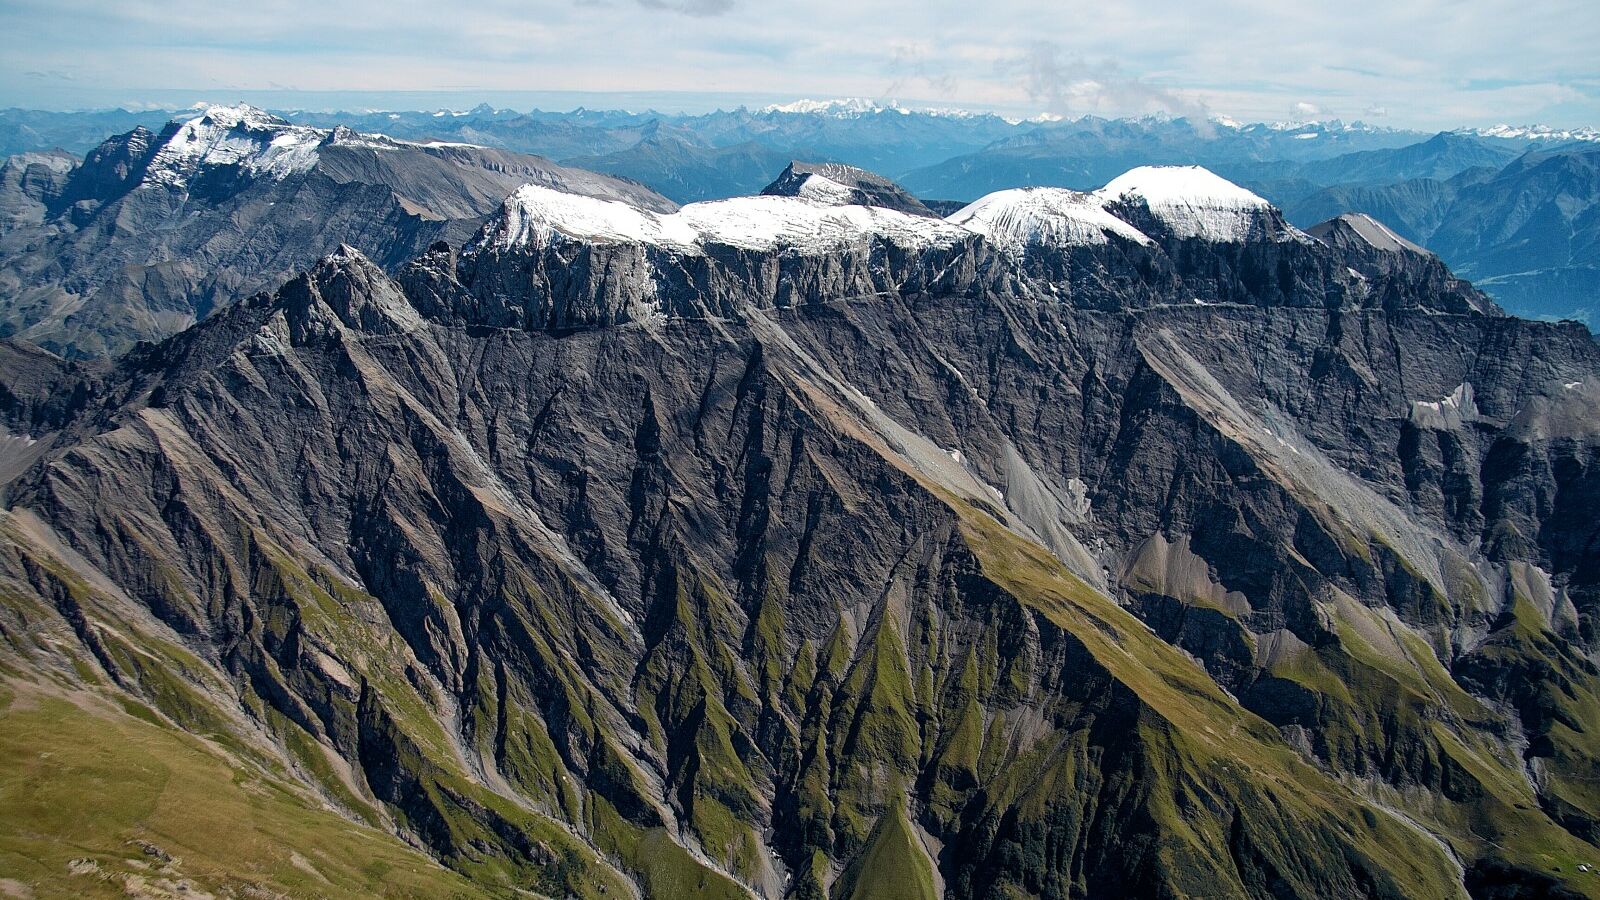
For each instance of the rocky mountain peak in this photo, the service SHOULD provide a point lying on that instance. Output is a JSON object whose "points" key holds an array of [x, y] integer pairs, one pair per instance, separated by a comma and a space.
{"points": [[839, 184], [1340, 231], [153, 231], [1392, 270], [354, 290]]}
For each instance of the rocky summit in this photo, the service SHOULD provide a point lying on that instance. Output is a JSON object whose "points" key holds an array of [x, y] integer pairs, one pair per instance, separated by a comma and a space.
{"points": [[807, 545]]}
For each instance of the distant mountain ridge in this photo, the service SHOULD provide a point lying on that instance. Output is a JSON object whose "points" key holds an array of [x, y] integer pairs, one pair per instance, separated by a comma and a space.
{"points": [[1313, 170], [154, 230], [1528, 232]]}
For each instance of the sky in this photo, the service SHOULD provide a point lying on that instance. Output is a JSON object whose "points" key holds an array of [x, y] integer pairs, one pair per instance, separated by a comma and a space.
{"points": [[1403, 63]]}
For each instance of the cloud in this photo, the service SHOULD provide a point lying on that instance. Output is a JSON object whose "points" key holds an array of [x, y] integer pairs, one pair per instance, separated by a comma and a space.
{"points": [[1066, 85], [912, 71], [698, 8], [1304, 110]]}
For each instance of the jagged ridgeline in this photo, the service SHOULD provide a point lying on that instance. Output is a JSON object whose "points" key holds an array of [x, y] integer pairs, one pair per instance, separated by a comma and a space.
{"points": [[1131, 543]]}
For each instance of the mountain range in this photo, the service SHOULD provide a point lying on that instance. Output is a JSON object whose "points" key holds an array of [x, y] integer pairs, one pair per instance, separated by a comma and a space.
{"points": [[152, 231], [1528, 231], [1315, 171], [1131, 542]]}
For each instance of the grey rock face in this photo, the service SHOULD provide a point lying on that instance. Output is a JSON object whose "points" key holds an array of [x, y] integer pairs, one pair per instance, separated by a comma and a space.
{"points": [[572, 286], [28, 184]]}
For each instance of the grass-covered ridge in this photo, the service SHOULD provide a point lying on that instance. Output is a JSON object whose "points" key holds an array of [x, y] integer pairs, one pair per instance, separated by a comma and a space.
{"points": [[96, 801]]}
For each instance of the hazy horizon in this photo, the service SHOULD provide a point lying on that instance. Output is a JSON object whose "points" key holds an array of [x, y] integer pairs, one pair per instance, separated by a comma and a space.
{"points": [[669, 103]]}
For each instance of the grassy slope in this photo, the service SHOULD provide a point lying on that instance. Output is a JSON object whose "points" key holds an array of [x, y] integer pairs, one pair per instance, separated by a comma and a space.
{"points": [[892, 866], [482, 835], [82, 780]]}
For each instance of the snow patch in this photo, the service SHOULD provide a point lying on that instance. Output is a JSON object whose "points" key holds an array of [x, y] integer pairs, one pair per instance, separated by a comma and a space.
{"points": [[538, 215], [1447, 412], [822, 189]]}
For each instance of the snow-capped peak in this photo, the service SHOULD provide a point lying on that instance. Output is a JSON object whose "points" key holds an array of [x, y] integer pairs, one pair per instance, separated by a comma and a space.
{"points": [[853, 107], [1191, 201], [1534, 133], [1186, 185], [536, 216], [814, 186], [256, 141], [241, 135], [239, 115], [1043, 217]]}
